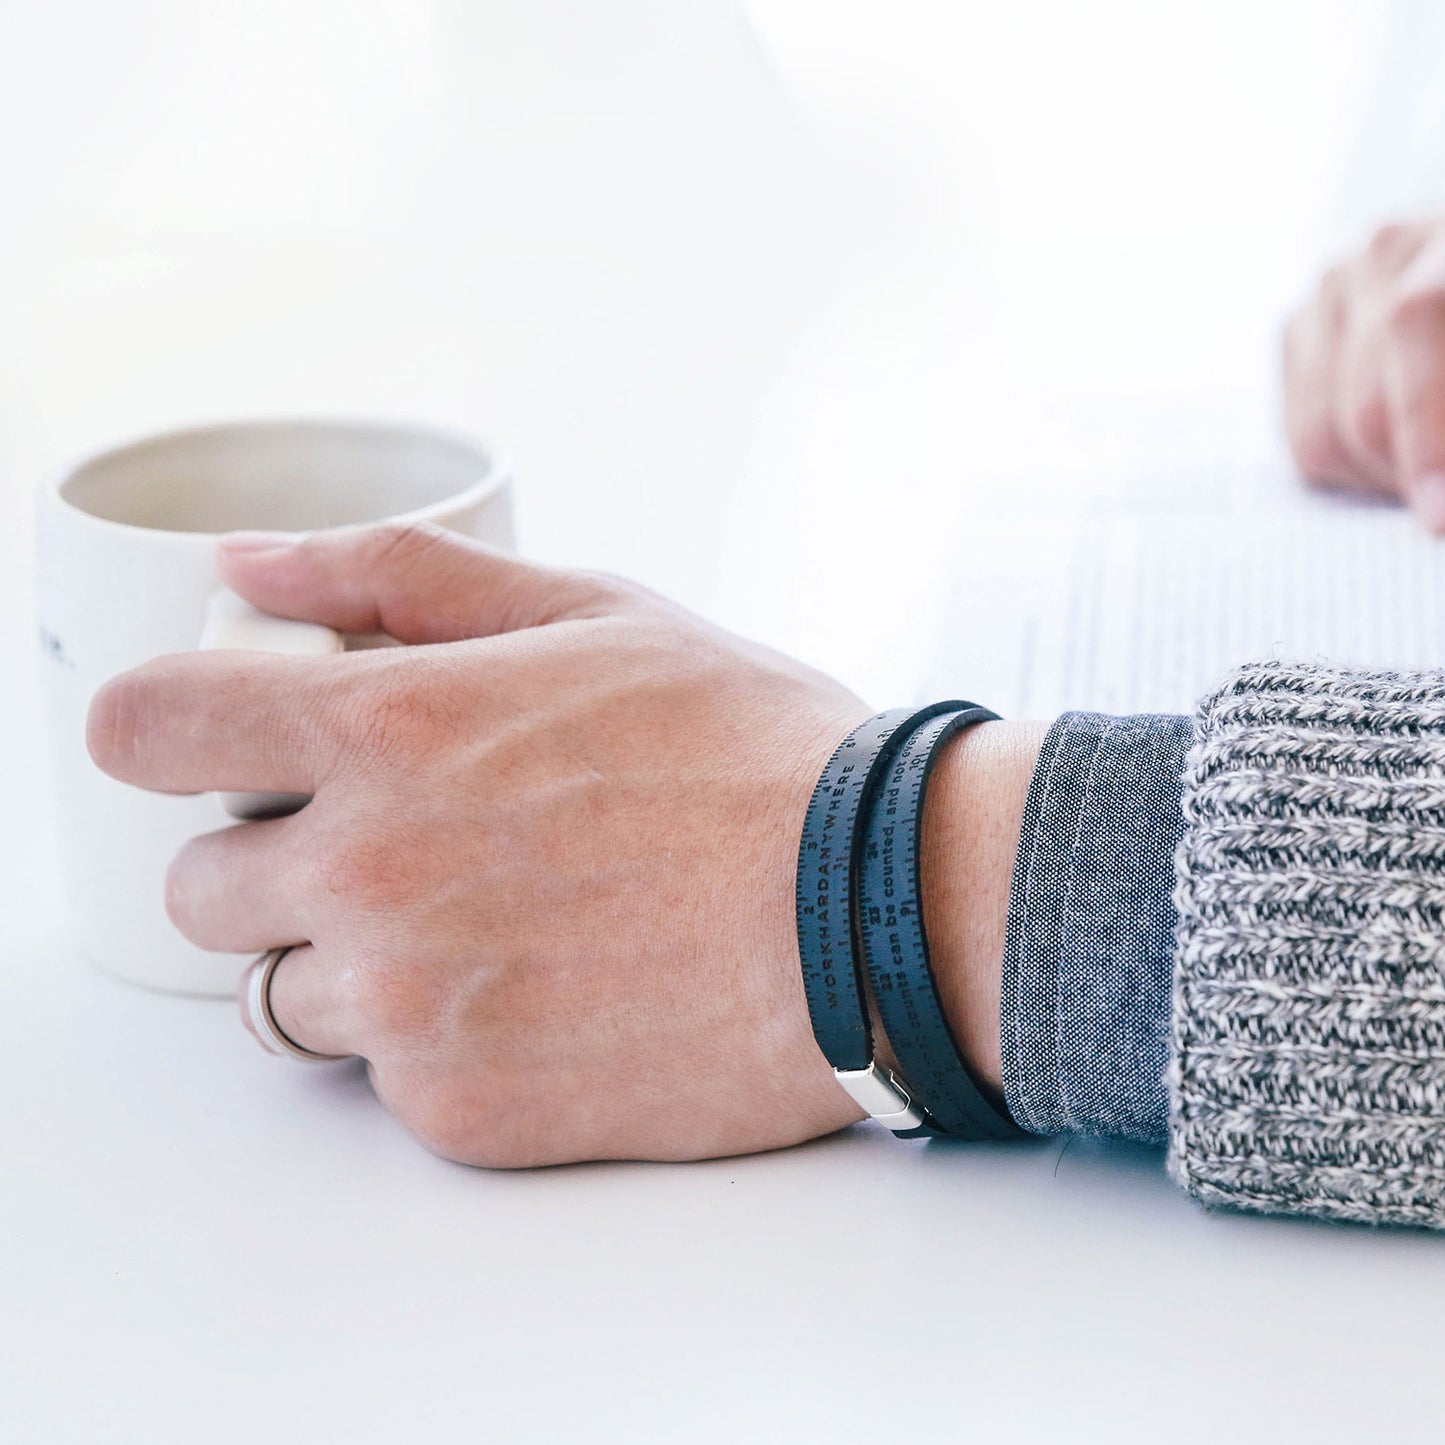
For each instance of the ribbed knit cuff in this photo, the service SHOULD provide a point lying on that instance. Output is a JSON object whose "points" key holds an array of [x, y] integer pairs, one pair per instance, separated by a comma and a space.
{"points": [[1308, 1052]]}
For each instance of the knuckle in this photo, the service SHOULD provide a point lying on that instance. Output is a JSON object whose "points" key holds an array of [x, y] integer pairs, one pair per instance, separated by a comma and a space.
{"points": [[1392, 242], [1317, 453], [605, 586], [1415, 308], [397, 1006], [410, 706], [602, 594], [1334, 284], [404, 544], [389, 722], [1366, 422], [541, 597], [402, 555], [364, 870]]}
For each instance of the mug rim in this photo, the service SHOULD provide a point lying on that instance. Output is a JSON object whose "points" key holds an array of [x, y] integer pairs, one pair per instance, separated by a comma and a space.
{"points": [[495, 475]]}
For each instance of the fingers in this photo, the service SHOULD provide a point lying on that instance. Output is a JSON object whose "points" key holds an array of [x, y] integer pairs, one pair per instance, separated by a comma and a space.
{"points": [[244, 889], [310, 1003], [335, 1000], [1360, 418], [1364, 372], [416, 583], [1310, 354], [255, 722], [1318, 387], [223, 721], [1414, 384]]}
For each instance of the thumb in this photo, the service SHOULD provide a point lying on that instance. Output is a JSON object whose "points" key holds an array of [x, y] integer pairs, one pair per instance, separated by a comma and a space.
{"points": [[415, 582], [1414, 381]]}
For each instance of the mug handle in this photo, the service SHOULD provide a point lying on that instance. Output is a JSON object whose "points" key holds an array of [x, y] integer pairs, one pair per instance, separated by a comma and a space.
{"points": [[231, 622]]}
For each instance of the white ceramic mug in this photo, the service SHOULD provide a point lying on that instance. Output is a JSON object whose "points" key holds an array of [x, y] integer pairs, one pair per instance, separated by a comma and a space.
{"points": [[125, 573]]}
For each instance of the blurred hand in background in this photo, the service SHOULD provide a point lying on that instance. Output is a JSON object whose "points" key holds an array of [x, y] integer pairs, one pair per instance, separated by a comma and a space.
{"points": [[1364, 372]]}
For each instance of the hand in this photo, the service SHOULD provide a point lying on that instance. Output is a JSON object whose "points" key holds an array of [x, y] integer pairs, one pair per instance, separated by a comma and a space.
{"points": [[546, 878], [1364, 372]]}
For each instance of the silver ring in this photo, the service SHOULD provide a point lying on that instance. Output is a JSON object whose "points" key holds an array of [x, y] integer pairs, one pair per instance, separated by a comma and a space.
{"points": [[256, 1005]]}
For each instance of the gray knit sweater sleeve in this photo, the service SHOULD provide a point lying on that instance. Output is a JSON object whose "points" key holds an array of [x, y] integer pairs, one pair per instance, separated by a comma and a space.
{"points": [[1307, 1068]]}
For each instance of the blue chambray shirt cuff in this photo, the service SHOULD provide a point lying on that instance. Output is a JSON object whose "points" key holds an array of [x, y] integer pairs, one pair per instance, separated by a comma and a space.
{"points": [[1084, 1017]]}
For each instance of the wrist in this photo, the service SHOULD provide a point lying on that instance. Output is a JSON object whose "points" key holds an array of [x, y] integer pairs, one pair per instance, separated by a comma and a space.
{"points": [[971, 821]]}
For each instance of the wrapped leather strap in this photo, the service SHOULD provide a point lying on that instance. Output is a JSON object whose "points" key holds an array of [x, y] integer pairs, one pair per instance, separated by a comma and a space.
{"points": [[833, 977], [894, 944]]}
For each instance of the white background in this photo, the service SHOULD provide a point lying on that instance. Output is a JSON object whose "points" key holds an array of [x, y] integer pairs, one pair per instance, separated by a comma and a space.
{"points": [[727, 282]]}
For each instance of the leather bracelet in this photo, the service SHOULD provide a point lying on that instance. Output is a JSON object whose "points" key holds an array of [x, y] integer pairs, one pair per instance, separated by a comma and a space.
{"points": [[894, 944], [828, 948]]}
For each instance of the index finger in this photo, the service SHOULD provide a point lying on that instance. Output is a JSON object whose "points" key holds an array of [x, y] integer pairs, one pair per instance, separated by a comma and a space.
{"points": [[222, 721]]}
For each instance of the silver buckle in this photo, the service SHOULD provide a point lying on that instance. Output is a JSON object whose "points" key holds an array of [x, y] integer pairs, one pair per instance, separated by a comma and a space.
{"points": [[882, 1094]]}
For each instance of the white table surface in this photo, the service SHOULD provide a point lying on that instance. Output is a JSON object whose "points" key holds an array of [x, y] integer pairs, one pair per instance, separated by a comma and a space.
{"points": [[201, 1243]]}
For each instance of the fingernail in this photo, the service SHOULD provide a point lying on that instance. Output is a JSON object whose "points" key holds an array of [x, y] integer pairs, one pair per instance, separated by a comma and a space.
{"points": [[1429, 499], [258, 541]]}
